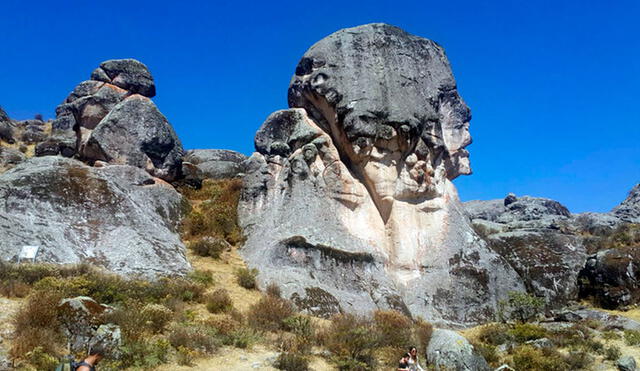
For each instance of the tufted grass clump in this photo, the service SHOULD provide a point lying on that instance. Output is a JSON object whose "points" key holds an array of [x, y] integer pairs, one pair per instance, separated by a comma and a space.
{"points": [[36, 326], [197, 337], [527, 357], [352, 341], [247, 278], [393, 328]]}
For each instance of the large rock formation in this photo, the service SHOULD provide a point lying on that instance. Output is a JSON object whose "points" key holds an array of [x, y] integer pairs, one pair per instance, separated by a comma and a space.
{"points": [[348, 203], [629, 209], [536, 236], [110, 118], [118, 217]]}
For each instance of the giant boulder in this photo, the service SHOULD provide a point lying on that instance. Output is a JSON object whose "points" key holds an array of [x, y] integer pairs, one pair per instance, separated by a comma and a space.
{"points": [[118, 217], [111, 118], [348, 200]]}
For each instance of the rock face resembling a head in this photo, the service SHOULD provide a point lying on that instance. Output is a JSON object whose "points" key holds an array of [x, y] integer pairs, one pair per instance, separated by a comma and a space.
{"points": [[348, 199]]}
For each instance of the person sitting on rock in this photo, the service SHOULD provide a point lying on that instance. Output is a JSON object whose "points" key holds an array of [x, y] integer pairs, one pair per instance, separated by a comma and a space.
{"points": [[413, 360], [404, 362]]}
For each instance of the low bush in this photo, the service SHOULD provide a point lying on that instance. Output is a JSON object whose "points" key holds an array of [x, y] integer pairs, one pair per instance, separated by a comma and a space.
{"points": [[488, 352], [352, 341], [632, 337], [140, 354], [208, 246], [612, 353], [530, 358], [137, 320], [247, 278], [217, 215], [579, 360], [494, 334], [185, 356], [611, 335], [41, 360], [574, 336], [521, 307], [156, 316], [36, 325], [523, 332], [196, 337], [203, 277], [14, 289], [269, 313], [291, 362], [223, 323], [218, 301], [242, 337], [394, 328]]}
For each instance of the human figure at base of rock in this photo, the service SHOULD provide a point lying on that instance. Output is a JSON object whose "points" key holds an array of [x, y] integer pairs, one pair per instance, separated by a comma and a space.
{"points": [[404, 362], [414, 365], [95, 355]]}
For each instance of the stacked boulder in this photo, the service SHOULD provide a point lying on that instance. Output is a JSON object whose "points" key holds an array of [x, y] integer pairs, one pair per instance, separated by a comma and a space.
{"points": [[200, 164], [110, 118]]}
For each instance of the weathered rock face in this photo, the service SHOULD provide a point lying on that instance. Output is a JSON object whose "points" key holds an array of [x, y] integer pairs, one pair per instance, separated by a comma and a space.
{"points": [[348, 200], [448, 350], [199, 164], [6, 127], [111, 118], [611, 277], [10, 157], [118, 217], [536, 236], [629, 209]]}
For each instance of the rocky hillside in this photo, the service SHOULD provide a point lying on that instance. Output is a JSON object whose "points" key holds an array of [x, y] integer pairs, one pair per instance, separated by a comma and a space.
{"points": [[345, 216]]}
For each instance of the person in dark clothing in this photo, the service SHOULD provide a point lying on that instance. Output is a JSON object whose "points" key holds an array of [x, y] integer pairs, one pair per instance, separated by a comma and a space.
{"points": [[404, 362]]}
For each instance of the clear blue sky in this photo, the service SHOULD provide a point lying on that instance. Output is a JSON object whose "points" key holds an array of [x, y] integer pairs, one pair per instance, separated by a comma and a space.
{"points": [[553, 85]]}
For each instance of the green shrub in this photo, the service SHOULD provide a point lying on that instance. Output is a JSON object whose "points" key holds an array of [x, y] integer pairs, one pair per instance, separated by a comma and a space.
{"points": [[523, 332], [530, 358], [208, 246], [269, 313], [488, 352], [612, 353], [291, 362], [575, 336], [299, 325], [41, 360], [217, 215], [14, 288], [242, 338], [203, 277], [611, 335], [632, 337], [579, 360], [218, 301], [141, 353], [247, 278], [185, 356], [521, 307]]}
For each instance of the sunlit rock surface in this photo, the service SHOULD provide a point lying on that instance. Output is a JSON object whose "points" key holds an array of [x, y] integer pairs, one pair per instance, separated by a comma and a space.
{"points": [[348, 203]]}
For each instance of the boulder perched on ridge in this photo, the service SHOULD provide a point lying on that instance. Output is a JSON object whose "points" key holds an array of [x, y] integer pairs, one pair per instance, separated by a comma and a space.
{"points": [[213, 164], [110, 118]]}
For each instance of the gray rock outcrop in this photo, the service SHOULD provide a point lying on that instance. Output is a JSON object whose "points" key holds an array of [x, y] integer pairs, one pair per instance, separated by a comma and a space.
{"points": [[200, 164], [111, 118], [448, 350], [626, 363], [629, 209], [118, 217], [348, 203], [6, 127], [536, 237], [610, 277]]}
